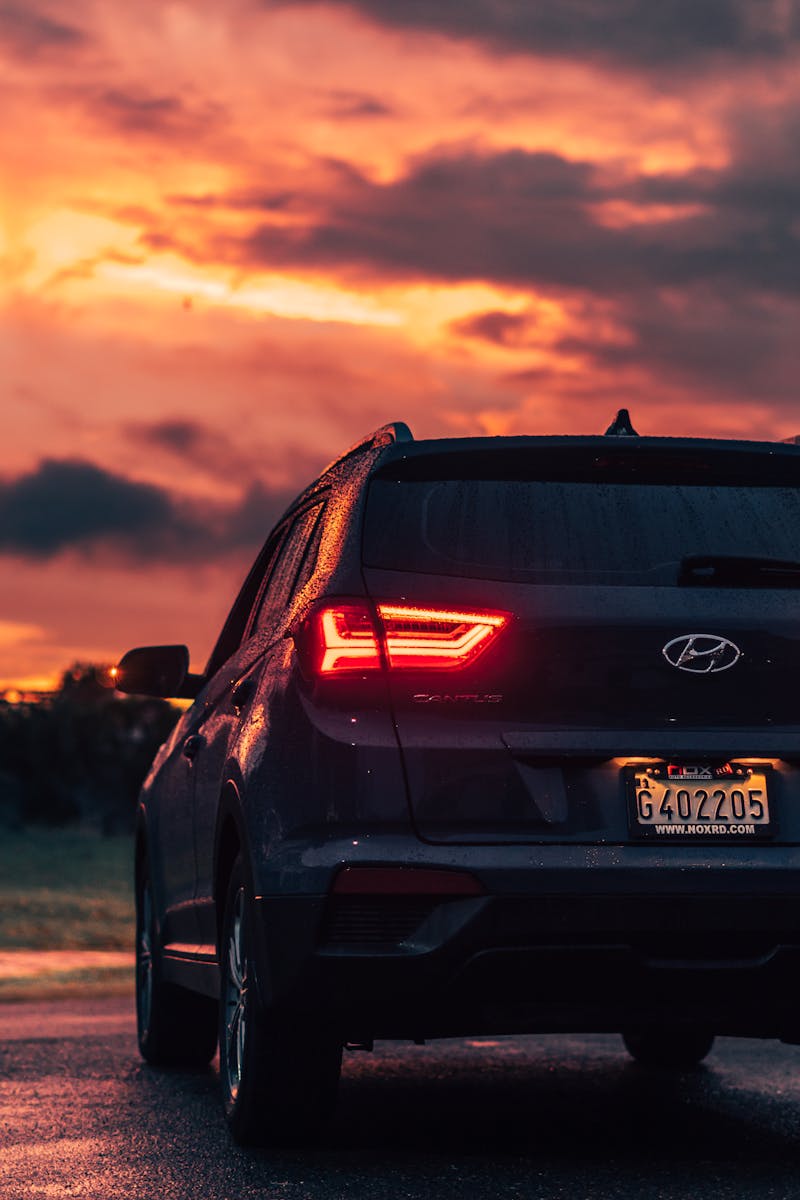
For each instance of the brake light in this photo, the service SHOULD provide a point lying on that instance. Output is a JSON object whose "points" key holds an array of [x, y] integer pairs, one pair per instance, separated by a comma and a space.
{"points": [[423, 638], [342, 637], [348, 639]]}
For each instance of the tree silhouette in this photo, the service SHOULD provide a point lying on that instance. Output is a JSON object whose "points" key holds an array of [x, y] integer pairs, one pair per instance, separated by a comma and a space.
{"points": [[79, 755]]}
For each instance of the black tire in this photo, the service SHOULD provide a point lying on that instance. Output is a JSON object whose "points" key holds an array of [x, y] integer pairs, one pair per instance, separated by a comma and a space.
{"points": [[279, 1078], [175, 1027], [669, 1049]]}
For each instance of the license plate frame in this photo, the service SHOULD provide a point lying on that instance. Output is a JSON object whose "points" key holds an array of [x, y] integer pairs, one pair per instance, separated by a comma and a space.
{"points": [[653, 788]]}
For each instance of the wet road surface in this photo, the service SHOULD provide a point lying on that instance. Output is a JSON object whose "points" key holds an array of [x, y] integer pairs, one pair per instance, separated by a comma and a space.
{"points": [[572, 1117]]}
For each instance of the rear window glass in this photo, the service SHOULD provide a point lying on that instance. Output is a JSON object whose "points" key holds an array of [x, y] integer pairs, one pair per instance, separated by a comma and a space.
{"points": [[609, 524]]}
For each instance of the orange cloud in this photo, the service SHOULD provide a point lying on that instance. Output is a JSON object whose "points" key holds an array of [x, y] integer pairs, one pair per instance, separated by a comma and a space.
{"points": [[235, 237]]}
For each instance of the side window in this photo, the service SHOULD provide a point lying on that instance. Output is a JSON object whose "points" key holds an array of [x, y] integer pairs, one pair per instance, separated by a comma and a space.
{"points": [[291, 568], [312, 551], [233, 630]]}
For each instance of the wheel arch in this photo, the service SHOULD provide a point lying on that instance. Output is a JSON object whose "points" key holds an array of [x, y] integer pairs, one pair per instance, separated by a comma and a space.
{"points": [[229, 843]]}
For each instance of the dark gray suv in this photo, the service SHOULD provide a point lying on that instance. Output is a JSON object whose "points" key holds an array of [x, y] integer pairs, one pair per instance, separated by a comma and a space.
{"points": [[501, 735]]}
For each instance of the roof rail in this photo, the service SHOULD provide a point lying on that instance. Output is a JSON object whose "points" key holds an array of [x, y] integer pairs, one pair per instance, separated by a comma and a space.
{"points": [[397, 431], [621, 425]]}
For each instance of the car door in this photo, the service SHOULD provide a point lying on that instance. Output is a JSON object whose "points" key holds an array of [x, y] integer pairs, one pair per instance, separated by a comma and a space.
{"points": [[171, 802], [232, 694]]}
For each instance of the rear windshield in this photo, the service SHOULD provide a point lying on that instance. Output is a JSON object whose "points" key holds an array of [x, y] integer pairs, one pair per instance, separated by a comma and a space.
{"points": [[587, 520]]}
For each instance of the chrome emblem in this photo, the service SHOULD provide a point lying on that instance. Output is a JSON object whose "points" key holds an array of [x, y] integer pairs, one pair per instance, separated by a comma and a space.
{"points": [[701, 653]]}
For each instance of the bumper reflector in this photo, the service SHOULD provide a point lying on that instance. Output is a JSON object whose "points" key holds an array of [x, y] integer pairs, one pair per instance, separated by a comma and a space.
{"points": [[405, 881]]}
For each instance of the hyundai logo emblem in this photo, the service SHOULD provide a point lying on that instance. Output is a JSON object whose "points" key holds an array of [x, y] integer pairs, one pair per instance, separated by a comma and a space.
{"points": [[701, 653]]}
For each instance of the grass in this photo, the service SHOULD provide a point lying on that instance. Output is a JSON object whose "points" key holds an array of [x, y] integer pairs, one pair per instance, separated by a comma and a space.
{"points": [[65, 890]]}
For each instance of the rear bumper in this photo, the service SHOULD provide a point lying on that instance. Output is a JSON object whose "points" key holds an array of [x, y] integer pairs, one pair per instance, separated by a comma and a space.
{"points": [[614, 945]]}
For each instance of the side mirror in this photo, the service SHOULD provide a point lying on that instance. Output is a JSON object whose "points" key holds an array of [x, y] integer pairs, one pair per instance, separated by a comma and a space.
{"points": [[157, 671]]}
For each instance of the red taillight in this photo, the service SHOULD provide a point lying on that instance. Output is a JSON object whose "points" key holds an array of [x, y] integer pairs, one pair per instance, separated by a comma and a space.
{"points": [[342, 637], [348, 641], [425, 638]]}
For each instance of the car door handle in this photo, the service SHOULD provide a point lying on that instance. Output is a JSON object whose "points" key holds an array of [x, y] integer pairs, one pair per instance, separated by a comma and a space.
{"points": [[241, 694], [193, 745]]}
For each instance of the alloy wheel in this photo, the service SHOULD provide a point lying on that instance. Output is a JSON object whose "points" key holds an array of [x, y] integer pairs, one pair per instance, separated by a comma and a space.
{"points": [[235, 997]]}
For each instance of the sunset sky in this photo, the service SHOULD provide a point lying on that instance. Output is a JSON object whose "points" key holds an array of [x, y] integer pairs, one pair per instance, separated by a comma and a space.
{"points": [[237, 235]]}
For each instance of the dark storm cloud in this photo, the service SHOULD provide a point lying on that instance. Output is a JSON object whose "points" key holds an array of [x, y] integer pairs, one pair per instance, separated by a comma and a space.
{"points": [[253, 200], [163, 116], [534, 220], [139, 114], [192, 442], [346, 105], [26, 31], [457, 217], [326, 177], [178, 436], [649, 33], [733, 347], [736, 346], [133, 112], [73, 504], [495, 326]]}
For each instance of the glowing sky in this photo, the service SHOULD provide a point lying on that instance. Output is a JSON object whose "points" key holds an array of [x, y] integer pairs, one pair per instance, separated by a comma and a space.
{"points": [[237, 236]]}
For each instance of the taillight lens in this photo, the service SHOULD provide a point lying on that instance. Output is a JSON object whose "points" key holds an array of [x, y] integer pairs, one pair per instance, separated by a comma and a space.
{"points": [[424, 638], [342, 637], [348, 640]]}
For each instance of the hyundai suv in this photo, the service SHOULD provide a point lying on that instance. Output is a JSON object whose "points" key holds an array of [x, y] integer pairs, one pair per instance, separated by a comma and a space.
{"points": [[502, 735]]}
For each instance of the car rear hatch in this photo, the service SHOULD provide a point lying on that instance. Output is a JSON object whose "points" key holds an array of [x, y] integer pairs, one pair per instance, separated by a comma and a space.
{"points": [[638, 601]]}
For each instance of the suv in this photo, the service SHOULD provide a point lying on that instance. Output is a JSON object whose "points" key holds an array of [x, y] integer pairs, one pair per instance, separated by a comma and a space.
{"points": [[501, 736]]}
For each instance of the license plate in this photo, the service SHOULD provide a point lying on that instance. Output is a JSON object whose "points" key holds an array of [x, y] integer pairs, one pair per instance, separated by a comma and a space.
{"points": [[724, 803]]}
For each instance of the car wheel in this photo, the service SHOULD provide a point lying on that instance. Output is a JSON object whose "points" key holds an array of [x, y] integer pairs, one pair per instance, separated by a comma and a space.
{"points": [[675, 1049], [279, 1078], [174, 1026]]}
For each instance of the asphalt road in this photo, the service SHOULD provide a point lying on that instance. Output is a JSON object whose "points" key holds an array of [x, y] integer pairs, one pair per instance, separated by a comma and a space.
{"points": [[82, 1116]]}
